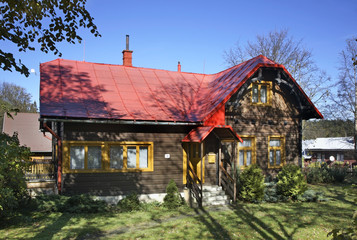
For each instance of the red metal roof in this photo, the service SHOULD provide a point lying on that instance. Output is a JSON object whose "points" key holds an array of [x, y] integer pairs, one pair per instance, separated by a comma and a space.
{"points": [[199, 134], [75, 89]]}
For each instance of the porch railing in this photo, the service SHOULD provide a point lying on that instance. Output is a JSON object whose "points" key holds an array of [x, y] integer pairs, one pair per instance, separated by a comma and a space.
{"points": [[228, 183], [41, 169], [195, 184]]}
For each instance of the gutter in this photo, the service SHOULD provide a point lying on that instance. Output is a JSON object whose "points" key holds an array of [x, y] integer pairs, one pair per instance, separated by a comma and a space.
{"points": [[44, 119]]}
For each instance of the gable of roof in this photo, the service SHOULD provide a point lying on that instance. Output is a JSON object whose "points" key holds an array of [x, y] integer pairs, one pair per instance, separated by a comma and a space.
{"points": [[74, 89], [27, 127]]}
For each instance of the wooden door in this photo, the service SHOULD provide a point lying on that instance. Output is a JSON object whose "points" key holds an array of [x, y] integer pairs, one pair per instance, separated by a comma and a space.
{"points": [[193, 152]]}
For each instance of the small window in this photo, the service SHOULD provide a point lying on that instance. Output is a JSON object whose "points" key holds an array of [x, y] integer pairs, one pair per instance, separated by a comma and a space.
{"points": [[77, 157], [261, 93], [143, 157], [94, 157], [116, 157], [276, 152], [246, 152]]}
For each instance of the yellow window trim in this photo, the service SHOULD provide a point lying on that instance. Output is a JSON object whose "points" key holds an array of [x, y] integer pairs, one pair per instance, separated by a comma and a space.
{"points": [[269, 93], [281, 148], [105, 161], [252, 148]]}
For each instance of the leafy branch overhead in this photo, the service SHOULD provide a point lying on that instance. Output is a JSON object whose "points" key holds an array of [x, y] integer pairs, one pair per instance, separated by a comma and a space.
{"points": [[31, 24]]}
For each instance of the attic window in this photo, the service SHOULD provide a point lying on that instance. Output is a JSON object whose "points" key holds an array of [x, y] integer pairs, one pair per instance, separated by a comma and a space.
{"points": [[261, 93]]}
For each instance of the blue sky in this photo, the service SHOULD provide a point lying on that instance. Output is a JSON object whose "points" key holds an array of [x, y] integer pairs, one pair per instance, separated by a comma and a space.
{"points": [[196, 33]]}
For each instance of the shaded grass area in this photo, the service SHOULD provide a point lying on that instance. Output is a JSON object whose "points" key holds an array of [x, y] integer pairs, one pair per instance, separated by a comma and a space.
{"points": [[241, 221]]}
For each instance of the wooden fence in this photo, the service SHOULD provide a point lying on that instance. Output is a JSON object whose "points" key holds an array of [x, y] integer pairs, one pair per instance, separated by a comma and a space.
{"points": [[41, 169]]}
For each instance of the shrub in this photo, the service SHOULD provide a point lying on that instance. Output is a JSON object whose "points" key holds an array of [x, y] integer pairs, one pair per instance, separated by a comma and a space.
{"points": [[14, 161], [338, 173], [251, 184], [129, 203], [312, 196], [271, 194], [173, 198], [291, 182], [74, 204], [318, 173]]}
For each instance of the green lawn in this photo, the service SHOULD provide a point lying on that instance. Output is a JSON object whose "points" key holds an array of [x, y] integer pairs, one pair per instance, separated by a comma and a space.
{"points": [[243, 221]]}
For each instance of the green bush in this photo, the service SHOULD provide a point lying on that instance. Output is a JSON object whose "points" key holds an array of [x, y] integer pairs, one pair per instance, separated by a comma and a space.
{"points": [[322, 173], [251, 184], [173, 198], [338, 173], [271, 193], [291, 182], [129, 203], [318, 173], [312, 196], [14, 161], [74, 204]]}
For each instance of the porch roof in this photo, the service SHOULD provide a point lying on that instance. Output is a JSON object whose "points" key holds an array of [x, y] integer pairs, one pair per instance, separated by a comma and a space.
{"points": [[224, 132]]}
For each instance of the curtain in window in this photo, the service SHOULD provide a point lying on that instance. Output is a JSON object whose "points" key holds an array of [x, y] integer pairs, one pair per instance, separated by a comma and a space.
{"points": [[94, 157], [255, 93], [143, 157], [246, 143], [241, 158], [271, 157], [249, 158], [77, 157], [263, 94], [116, 157], [131, 157], [278, 157], [274, 142]]}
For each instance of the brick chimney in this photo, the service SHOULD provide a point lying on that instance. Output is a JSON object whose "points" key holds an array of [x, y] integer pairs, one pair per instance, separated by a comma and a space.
{"points": [[179, 67], [127, 54]]}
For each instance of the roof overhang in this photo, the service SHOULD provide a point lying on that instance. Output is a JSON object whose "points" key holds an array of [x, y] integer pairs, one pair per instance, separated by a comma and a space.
{"points": [[223, 132]]}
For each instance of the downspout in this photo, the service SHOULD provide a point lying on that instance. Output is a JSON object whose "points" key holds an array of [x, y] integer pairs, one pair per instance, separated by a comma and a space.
{"points": [[59, 162]]}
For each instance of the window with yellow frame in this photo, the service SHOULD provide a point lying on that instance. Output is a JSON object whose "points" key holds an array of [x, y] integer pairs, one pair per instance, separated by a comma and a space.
{"points": [[261, 93], [276, 153], [246, 151], [85, 156]]}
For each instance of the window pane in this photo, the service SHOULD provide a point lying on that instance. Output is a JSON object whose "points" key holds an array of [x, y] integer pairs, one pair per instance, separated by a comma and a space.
{"points": [[143, 157], [278, 157], [271, 157], [116, 157], [94, 157], [249, 158], [77, 157], [247, 142], [255, 93], [131, 157], [274, 142], [263, 94], [241, 158]]}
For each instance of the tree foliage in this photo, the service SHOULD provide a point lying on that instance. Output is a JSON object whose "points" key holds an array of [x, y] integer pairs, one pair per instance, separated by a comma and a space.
{"points": [[14, 160], [328, 128], [14, 98], [31, 24], [282, 48]]}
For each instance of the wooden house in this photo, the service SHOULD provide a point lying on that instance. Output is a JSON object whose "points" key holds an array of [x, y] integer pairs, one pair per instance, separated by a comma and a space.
{"points": [[122, 129], [340, 149]]}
